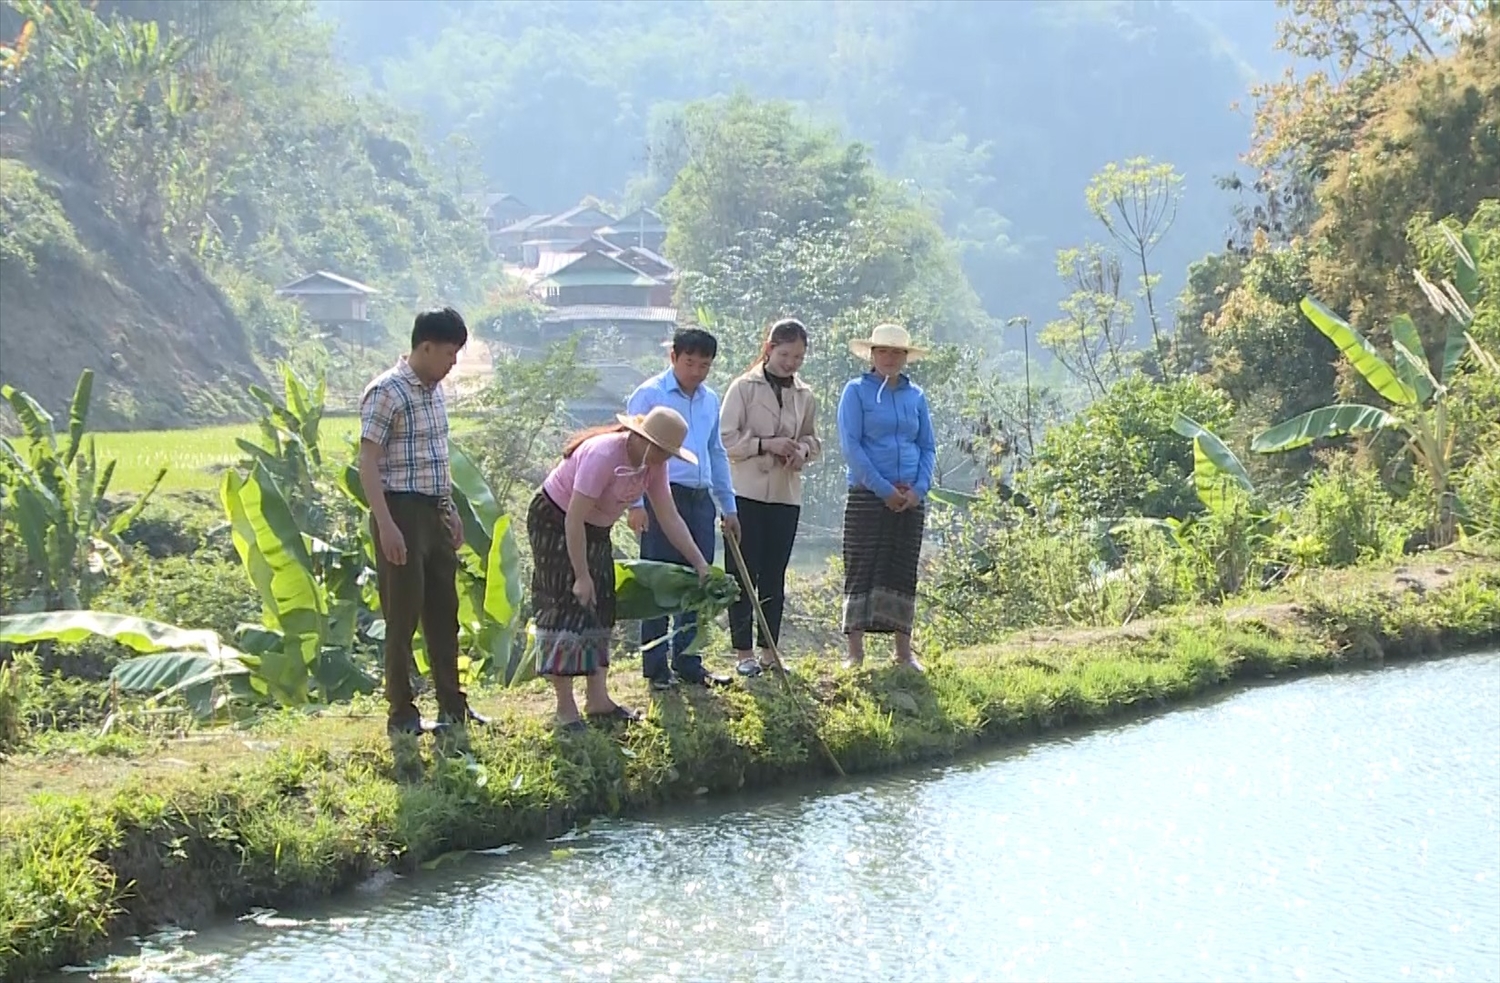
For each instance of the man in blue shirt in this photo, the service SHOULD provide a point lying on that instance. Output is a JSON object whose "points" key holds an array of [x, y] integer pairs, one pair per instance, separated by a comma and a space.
{"points": [[696, 488]]}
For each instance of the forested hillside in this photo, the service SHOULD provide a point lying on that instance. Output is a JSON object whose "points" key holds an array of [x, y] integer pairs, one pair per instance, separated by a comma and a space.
{"points": [[167, 164], [994, 114]]}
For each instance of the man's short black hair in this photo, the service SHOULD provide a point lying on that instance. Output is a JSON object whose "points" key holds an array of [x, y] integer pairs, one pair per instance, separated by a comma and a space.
{"points": [[695, 341], [443, 326]]}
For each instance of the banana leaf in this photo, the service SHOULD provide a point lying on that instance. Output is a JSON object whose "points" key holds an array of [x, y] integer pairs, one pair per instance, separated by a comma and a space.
{"points": [[78, 415], [1327, 421], [646, 589], [952, 499], [137, 634], [276, 559], [1214, 463], [474, 500], [1411, 358], [1454, 347], [1361, 354], [192, 674], [502, 581]]}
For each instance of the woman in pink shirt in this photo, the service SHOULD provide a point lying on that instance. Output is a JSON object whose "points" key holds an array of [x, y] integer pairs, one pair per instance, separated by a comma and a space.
{"points": [[602, 473]]}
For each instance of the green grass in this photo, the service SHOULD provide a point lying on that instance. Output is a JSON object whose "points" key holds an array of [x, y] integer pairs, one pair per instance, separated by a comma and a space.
{"points": [[308, 805], [194, 458]]}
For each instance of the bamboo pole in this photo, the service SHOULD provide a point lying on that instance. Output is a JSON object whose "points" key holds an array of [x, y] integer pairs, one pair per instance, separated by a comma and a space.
{"points": [[733, 544]]}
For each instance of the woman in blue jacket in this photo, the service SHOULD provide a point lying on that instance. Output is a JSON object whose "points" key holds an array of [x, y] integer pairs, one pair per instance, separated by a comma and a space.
{"points": [[885, 430]]}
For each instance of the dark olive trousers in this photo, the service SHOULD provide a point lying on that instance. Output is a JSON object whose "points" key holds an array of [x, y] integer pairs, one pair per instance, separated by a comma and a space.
{"points": [[420, 591]]}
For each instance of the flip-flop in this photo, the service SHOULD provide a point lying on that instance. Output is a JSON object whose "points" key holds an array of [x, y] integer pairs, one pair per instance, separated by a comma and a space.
{"points": [[618, 713], [572, 726]]}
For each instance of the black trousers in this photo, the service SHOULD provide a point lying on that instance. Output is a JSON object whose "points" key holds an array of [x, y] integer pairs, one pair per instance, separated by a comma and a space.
{"points": [[767, 533]]}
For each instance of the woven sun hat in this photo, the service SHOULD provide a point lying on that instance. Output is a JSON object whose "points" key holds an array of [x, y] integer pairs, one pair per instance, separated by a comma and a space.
{"points": [[665, 428], [886, 336]]}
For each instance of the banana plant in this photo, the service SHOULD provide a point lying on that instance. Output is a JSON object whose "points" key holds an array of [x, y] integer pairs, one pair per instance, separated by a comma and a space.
{"points": [[173, 660], [289, 446], [1419, 400], [307, 625], [56, 493], [1215, 467]]}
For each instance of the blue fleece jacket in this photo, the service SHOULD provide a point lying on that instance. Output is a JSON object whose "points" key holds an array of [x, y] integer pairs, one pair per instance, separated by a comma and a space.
{"points": [[886, 435]]}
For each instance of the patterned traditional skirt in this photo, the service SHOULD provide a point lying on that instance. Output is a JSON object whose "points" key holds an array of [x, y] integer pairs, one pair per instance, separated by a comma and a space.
{"points": [[571, 640], [881, 552]]}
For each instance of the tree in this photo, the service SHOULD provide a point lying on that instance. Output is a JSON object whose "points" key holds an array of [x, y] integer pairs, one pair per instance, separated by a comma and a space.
{"points": [[1121, 456], [1137, 203], [754, 165], [1091, 337], [1429, 145], [1359, 46]]}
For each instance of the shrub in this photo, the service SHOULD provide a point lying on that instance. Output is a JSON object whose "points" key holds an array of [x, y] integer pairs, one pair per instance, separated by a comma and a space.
{"points": [[192, 592], [1121, 457], [1347, 517]]}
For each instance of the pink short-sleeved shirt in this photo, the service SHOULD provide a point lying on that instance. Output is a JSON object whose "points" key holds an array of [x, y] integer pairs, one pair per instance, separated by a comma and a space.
{"points": [[592, 470]]}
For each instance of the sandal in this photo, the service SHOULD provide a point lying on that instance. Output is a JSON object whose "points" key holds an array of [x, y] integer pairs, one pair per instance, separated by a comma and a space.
{"points": [[911, 663], [572, 726], [617, 713], [749, 668]]}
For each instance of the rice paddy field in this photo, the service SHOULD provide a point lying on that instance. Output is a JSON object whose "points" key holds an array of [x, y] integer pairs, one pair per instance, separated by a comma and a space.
{"points": [[195, 458]]}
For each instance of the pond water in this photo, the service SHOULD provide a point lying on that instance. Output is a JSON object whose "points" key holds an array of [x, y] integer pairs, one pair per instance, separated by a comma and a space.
{"points": [[1342, 827]]}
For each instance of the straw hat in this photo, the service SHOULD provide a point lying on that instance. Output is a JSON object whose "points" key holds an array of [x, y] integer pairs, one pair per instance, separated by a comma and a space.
{"points": [[663, 427], [886, 336]]}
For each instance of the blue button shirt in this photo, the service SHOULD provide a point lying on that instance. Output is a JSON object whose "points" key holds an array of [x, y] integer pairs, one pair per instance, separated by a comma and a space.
{"points": [[886, 434], [701, 411]]}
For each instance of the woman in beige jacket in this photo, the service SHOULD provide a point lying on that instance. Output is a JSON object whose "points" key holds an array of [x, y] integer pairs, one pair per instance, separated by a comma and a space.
{"points": [[767, 422]]}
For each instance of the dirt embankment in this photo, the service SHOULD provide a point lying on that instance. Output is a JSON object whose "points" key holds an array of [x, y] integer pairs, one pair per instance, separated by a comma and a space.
{"points": [[165, 347]]}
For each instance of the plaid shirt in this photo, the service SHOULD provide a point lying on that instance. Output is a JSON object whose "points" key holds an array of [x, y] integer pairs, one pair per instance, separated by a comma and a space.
{"points": [[409, 419]]}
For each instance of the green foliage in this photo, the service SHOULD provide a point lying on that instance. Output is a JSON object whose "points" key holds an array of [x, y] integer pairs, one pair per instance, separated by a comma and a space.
{"points": [[1121, 457], [110, 102], [531, 397], [33, 219], [203, 592], [56, 492], [1092, 338], [295, 607], [1214, 464], [1346, 518], [1421, 399], [1429, 146], [646, 589], [218, 130], [12, 728], [289, 447]]}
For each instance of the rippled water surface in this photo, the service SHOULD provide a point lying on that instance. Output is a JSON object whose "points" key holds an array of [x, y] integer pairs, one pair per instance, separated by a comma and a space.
{"points": [[1335, 828]]}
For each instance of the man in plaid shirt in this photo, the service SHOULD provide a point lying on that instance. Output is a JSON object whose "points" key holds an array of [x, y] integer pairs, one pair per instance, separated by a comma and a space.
{"points": [[403, 468]]}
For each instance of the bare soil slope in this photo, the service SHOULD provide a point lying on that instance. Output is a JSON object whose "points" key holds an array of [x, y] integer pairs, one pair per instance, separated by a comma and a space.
{"points": [[165, 347]]}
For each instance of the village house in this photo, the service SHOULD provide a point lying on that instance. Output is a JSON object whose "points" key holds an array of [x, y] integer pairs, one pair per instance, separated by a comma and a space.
{"points": [[331, 300], [552, 234], [642, 227], [499, 211], [601, 278], [506, 242]]}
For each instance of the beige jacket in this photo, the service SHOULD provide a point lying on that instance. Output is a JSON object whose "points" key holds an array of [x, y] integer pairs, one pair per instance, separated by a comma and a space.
{"points": [[750, 413]]}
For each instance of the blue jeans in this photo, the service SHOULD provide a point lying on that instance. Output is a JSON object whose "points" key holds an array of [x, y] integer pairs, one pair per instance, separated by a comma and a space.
{"points": [[697, 509]]}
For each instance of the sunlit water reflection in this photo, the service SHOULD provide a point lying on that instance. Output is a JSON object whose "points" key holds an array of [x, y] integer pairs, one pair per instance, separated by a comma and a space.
{"points": [[1335, 828]]}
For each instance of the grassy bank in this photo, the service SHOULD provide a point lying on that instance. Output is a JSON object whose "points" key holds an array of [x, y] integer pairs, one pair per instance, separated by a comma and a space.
{"points": [[98, 848]]}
